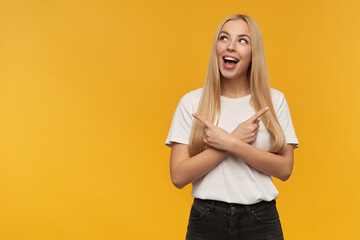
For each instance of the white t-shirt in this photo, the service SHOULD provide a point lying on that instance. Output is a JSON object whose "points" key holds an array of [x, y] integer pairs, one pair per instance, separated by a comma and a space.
{"points": [[233, 180]]}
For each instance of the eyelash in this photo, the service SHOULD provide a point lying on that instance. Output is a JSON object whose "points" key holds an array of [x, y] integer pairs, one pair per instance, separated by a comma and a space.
{"points": [[239, 39]]}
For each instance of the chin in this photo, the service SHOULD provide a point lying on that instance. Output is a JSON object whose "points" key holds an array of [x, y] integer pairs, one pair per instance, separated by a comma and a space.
{"points": [[229, 76]]}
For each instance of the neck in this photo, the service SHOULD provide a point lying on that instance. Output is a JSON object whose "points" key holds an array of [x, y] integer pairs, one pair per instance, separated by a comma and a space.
{"points": [[235, 88]]}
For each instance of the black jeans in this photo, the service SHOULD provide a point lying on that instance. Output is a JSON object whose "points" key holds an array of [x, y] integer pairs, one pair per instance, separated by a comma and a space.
{"points": [[217, 220]]}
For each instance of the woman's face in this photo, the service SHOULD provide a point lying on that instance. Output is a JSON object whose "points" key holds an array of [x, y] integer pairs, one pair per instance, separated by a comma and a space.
{"points": [[233, 49]]}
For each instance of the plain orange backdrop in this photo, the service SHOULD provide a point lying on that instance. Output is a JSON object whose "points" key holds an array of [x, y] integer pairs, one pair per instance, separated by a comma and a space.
{"points": [[88, 90]]}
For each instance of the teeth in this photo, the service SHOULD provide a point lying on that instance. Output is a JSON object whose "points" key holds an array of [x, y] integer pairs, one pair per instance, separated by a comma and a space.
{"points": [[230, 58]]}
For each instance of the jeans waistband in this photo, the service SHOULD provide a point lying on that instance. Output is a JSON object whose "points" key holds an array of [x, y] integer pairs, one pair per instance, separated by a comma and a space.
{"points": [[229, 207]]}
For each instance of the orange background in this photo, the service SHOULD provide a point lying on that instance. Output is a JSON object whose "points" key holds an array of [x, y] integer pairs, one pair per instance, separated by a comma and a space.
{"points": [[89, 89]]}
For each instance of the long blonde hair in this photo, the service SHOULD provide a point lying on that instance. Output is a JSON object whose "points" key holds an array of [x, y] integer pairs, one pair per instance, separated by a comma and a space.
{"points": [[209, 105]]}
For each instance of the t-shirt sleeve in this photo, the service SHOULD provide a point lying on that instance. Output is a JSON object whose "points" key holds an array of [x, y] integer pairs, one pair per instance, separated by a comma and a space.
{"points": [[284, 117], [181, 124]]}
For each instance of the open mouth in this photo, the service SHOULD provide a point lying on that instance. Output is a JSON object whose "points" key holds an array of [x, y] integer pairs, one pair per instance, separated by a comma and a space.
{"points": [[230, 62]]}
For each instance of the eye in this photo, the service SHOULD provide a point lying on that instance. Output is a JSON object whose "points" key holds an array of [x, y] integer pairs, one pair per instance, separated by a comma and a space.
{"points": [[222, 37], [243, 39]]}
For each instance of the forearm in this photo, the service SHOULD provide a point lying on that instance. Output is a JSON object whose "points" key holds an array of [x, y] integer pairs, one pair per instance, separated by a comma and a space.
{"points": [[266, 162], [197, 166]]}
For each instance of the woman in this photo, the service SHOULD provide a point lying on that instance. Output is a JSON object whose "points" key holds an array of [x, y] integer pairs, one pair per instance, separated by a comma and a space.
{"points": [[229, 137]]}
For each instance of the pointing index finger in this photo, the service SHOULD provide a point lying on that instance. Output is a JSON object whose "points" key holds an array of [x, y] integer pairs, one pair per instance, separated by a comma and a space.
{"points": [[258, 114], [202, 120]]}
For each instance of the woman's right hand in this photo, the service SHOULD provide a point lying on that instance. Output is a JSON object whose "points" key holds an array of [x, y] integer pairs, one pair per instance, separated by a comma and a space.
{"points": [[247, 131]]}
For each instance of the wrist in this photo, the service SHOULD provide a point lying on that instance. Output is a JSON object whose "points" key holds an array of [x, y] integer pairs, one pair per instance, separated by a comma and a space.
{"points": [[233, 144], [222, 152]]}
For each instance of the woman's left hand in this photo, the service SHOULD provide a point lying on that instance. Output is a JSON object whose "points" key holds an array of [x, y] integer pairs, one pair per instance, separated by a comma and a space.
{"points": [[214, 136]]}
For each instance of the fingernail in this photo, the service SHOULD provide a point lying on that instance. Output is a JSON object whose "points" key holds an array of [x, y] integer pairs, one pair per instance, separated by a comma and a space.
{"points": [[267, 108]]}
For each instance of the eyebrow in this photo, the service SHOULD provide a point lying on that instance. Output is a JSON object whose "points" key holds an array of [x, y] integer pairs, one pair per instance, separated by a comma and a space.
{"points": [[241, 35]]}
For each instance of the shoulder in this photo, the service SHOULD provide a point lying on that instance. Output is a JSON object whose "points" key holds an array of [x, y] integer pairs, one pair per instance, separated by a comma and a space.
{"points": [[190, 101], [192, 98], [276, 96], [193, 95], [275, 93]]}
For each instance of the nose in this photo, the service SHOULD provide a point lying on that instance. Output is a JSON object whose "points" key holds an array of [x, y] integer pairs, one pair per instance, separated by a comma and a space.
{"points": [[231, 45]]}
